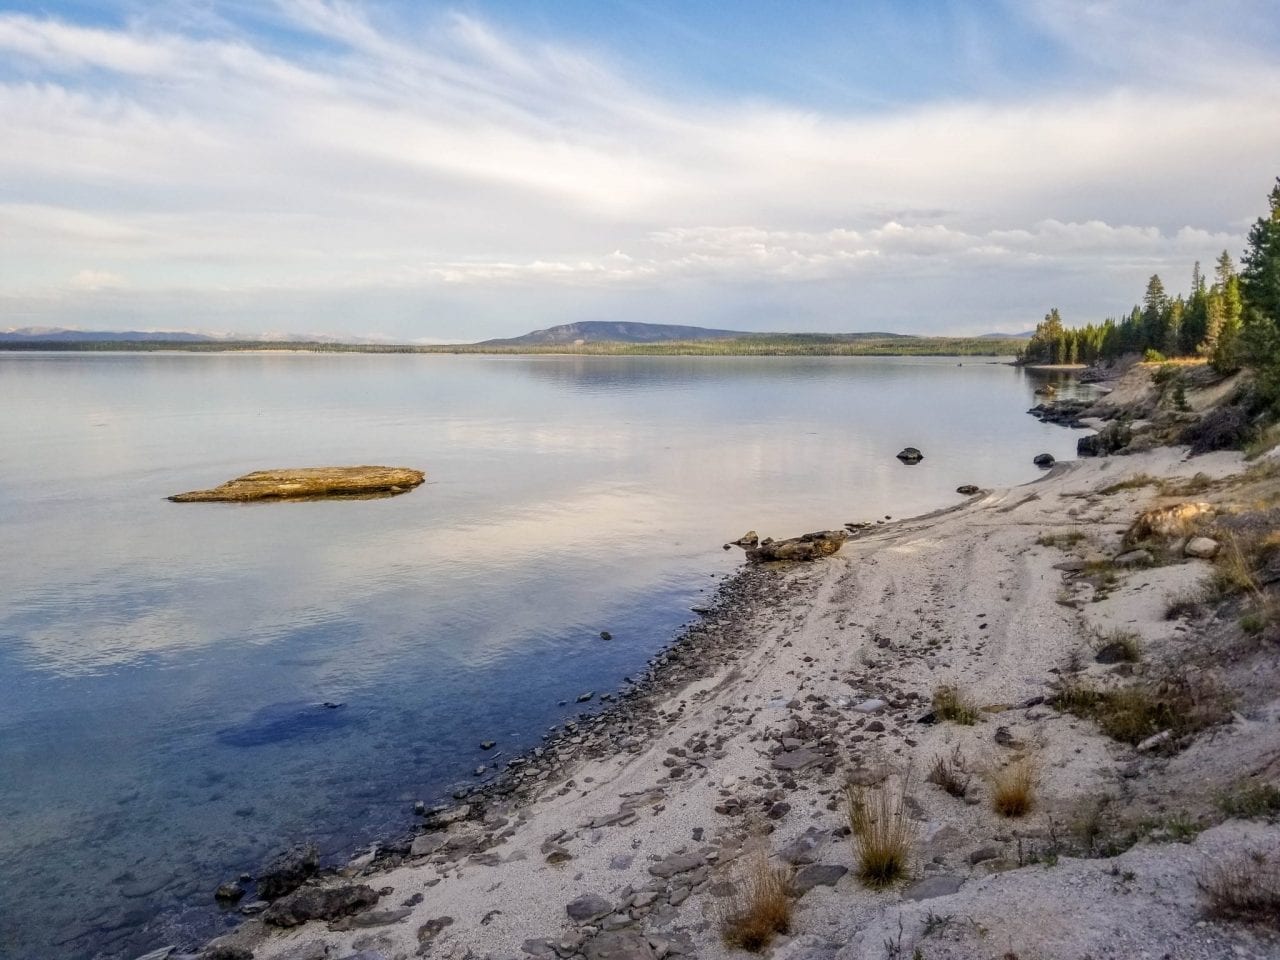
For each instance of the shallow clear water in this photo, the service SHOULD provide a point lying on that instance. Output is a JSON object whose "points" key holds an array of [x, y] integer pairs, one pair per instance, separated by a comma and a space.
{"points": [[162, 665]]}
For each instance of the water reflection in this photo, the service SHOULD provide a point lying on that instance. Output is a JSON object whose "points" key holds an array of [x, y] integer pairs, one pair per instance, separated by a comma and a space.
{"points": [[163, 667]]}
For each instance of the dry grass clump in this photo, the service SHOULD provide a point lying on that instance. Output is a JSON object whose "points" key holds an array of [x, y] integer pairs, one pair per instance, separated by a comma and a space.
{"points": [[1244, 889], [1130, 483], [1013, 789], [1065, 538], [949, 703], [1252, 800], [950, 774], [883, 832], [759, 908], [1118, 646], [1181, 705]]}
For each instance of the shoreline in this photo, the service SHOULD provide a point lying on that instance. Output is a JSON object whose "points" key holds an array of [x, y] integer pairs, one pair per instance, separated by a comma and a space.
{"points": [[623, 834], [648, 810]]}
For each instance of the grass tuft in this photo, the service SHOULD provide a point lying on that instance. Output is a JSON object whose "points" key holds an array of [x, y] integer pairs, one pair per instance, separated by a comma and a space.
{"points": [[1066, 538], [1013, 789], [1244, 889], [760, 907], [952, 705], [1181, 705], [950, 774], [1248, 800], [1131, 483], [1119, 646], [883, 833]]}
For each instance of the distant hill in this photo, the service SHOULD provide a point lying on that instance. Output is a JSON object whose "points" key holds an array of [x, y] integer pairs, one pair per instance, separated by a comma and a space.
{"points": [[62, 335], [611, 331], [1008, 336]]}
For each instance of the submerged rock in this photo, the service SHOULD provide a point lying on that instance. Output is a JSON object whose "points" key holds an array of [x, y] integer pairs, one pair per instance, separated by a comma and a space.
{"points": [[309, 483], [810, 546]]}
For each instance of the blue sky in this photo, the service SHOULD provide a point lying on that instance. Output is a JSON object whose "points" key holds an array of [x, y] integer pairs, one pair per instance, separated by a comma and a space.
{"points": [[457, 171]]}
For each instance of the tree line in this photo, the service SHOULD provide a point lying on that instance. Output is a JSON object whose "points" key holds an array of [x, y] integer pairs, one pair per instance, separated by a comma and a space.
{"points": [[1231, 320]]}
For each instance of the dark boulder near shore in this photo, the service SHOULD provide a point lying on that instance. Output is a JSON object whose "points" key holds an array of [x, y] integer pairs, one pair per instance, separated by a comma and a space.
{"points": [[309, 483], [910, 455]]}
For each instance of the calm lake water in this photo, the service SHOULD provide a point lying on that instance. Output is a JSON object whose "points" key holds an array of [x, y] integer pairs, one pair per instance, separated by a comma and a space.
{"points": [[161, 665]]}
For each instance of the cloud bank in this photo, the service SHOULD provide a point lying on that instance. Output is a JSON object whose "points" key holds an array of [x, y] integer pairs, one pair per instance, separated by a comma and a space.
{"points": [[351, 169]]}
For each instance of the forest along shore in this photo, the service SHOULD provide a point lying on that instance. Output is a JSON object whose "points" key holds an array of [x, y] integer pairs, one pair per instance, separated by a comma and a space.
{"points": [[1062, 696]]}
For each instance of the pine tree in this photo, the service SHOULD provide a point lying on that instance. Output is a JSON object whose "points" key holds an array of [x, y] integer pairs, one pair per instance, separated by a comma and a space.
{"points": [[1260, 295], [1155, 306]]}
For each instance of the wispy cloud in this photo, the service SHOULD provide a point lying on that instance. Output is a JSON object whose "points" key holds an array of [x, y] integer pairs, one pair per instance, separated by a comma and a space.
{"points": [[414, 161]]}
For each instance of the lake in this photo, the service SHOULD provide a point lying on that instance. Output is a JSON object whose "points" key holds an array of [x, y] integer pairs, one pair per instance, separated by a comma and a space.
{"points": [[163, 667]]}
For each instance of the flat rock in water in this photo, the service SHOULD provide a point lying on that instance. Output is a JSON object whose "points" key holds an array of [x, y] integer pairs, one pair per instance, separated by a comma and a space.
{"points": [[309, 483]]}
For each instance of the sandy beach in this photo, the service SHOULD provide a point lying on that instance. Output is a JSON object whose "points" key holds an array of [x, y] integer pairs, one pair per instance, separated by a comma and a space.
{"points": [[626, 837]]}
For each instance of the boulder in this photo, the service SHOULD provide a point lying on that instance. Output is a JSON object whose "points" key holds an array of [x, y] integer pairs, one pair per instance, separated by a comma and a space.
{"points": [[287, 872], [748, 539], [810, 546], [320, 903], [1204, 548], [1044, 460], [309, 483], [1112, 438], [910, 455], [1164, 522]]}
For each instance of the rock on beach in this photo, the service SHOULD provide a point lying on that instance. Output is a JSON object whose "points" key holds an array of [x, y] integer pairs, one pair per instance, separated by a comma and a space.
{"points": [[309, 483]]}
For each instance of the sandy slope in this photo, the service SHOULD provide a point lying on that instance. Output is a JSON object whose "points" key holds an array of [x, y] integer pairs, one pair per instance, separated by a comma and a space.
{"points": [[965, 597]]}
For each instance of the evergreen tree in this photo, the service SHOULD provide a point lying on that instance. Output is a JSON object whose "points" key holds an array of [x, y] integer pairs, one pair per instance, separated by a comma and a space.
{"points": [[1155, 307], [1260, 294]]}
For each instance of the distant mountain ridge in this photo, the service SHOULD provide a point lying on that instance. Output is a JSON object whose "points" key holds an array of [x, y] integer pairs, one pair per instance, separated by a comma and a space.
{"points": [[613, 331], [63, 335]]}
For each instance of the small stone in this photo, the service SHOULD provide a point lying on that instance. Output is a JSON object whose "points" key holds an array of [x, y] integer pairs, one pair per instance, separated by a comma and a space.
{"points": [[815, 875], [1043, 460], [229, 892], [586, 697], [967, 490], [677, 864], [983, 854], [488, 744], [940, 886], [1203, 548], [869, 706], [588, 907], [606, 635]]}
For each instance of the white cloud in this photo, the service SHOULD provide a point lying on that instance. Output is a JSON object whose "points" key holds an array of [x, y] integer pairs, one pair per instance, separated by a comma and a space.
{"points": [[440, 161], [97, 280]]}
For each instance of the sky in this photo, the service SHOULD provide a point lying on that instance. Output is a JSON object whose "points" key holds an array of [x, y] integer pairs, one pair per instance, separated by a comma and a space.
{"points": [[456, 171]]}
